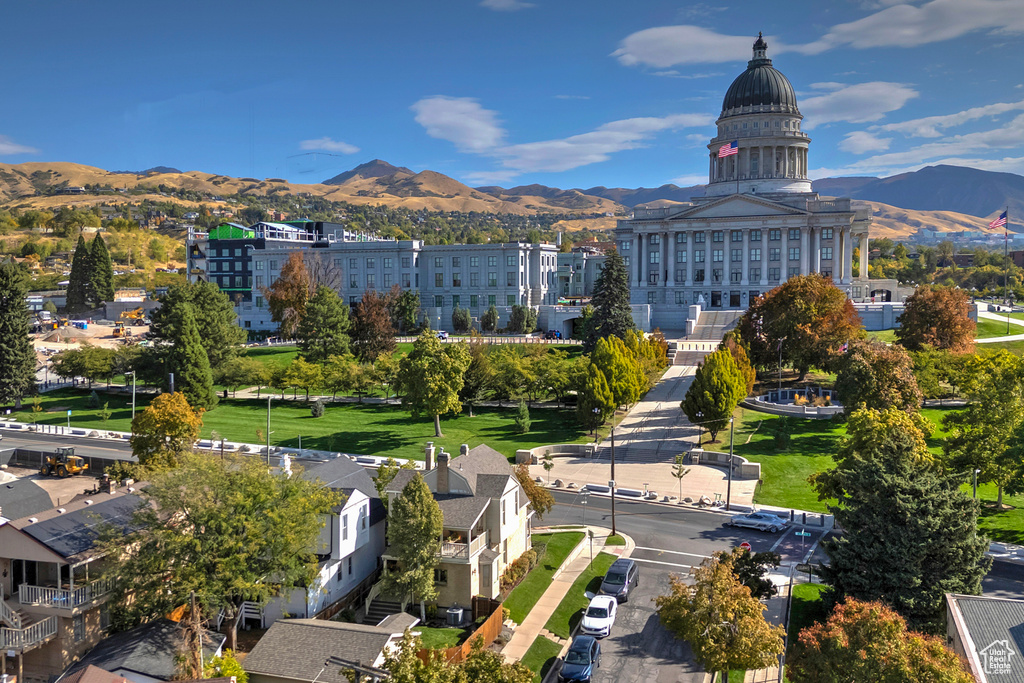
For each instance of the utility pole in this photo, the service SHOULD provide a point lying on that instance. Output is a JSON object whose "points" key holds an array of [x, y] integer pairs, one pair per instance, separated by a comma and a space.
{"points": [[728, 487]]}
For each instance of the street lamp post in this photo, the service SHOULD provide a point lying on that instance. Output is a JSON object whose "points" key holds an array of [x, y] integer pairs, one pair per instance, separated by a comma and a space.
{"points": [[611, 484], [268, 429], [974, 485], [728, 487], [700, 428], [132, 373]]}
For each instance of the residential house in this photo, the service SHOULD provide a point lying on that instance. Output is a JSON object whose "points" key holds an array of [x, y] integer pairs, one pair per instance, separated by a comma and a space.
{"points": [[52, 609], [486, 520], [298, 649], [989, 634], [352, 542], [146, 653]]}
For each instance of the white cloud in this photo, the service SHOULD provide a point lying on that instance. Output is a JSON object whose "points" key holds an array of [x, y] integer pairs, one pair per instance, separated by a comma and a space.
{"points": [[9, 146], [857, 103], [666, 46], [687, 180], [471, 128], [477, 178], [461, 121], [862, 142], [672, 73], [905, 25], [932, 126], [328, 145], [896, 25], [593, 147], [506, 5]]}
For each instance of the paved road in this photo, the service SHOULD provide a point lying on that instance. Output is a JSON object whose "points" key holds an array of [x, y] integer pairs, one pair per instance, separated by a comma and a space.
{"points": [[83, 446]]}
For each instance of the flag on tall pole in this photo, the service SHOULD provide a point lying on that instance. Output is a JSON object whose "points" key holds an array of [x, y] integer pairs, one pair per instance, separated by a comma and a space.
{"points": [[728, 150], [997, 223]]}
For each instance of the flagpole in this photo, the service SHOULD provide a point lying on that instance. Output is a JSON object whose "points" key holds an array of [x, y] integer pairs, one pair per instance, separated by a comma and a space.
{"points": [[1006, 267]]}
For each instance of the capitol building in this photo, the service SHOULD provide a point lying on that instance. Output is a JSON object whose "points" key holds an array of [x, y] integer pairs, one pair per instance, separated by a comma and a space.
{"points": [[759, 222]]}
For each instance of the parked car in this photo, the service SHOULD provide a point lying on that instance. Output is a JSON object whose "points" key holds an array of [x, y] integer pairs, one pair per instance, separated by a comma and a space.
{"points": [[441, 334], [553, 334], [599, 617], [583, 656], [762, 521], [622, 577]]}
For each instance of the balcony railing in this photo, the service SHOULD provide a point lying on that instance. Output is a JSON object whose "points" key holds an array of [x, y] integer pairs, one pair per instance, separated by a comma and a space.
{"points": [[64, 598], [464, 551], [8, 615], [28, 637]]}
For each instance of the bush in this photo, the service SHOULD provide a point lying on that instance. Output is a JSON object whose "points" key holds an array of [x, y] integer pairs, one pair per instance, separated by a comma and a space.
{"points": [[316, 408], [94, 400], [515, 572], [523, 418], [531, 558], [540, 549]]}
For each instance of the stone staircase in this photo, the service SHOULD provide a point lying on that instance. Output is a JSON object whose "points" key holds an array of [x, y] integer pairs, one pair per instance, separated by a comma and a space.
{"points": [[381, 609], [712, 325]]}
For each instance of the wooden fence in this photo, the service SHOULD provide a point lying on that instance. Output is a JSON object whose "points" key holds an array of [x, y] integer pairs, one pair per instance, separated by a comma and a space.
{"points": [[488, 630]]}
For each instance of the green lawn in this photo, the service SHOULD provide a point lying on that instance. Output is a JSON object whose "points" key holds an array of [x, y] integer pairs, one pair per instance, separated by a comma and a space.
{"points": [[442, 638], [995, 328], [1015, 347], [805, 609], [887, 336], [570, 610], [784, 473], [541, 657], [347, 427], [524, 596], [615, 540]]}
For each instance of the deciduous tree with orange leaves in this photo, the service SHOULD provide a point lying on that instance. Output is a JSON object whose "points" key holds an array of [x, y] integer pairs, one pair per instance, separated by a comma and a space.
{"points": [[937, 316], [288, 294], [869, 642]]}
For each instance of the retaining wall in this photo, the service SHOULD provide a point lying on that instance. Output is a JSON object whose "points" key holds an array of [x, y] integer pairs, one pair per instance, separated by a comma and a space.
{"points": [[532, 456]]}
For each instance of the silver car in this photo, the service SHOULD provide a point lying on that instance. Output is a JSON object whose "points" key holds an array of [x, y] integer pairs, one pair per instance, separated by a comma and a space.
{"points": [[762, 521]]}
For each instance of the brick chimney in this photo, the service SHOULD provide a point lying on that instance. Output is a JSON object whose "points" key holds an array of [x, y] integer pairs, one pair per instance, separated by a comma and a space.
{"points": [[442, 471], [107, 485], [464, 449], [429, 459]]}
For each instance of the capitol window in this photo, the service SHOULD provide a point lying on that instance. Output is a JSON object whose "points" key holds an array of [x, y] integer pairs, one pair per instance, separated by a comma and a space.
{"points": [[794, 234], [624, 245], [826, 233], [437, 262], [717, 236], [680, 238], [755, 235], [755, 254], [474, 261], [371, 263], [737, 235], [794, 253], [698, 256], [737, 255], [655, 239], [680, 257], [774, 254], [774, 235], [776, 125], [655, 257], [826, 253], [699, 237]]}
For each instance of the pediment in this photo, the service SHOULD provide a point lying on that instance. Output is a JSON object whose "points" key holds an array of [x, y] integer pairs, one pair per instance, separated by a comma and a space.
{"points": [[738, 206]]}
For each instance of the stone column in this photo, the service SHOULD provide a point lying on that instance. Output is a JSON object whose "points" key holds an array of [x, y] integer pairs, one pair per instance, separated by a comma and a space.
{"points": [[805, 248], [816, 237], [784, 256], [844, 263], [637, 269], [663, 266], [746, 257], [670, 278], [864, 256], [764, 258]]}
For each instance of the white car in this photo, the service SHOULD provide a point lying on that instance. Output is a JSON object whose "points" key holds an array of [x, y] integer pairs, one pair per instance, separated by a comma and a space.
{"points": [[600, 615], [762, 521]]}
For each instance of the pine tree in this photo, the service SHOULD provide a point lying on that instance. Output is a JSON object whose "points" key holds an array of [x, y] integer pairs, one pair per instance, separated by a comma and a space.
{"points": [[101, 272], [187, 360], [910, 535], [79, 292], [215, 319], [717, 387], [613, 316], [489, 320], [322, 332], [522, 418], [17, 357]]}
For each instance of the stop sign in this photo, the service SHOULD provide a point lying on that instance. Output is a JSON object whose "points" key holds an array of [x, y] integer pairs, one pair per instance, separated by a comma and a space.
{"points": [[745, 546]]}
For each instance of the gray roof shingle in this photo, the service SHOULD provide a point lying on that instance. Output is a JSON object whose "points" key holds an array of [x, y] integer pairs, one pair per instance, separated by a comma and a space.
{"points": [[76, 530], [461, 512], [23, 497], [298, 648], [989, 620], [342, 472]]}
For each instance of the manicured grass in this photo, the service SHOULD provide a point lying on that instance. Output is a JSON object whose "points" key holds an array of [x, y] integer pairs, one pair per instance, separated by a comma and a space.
{"points": [[541, 657], [1015, 347], [441, 638], [347, 427], [277, 355], [806, 608], [887, 336], [615, 540], [570, 610], [524, 596], [995, 328]]}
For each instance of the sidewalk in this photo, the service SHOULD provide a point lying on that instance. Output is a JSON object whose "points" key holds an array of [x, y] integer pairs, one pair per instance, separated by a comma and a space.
{"points": [[775, 615], [533, 625]]}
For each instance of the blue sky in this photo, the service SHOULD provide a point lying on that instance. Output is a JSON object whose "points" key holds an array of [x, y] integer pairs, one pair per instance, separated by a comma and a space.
{"points": [[567, 93]]}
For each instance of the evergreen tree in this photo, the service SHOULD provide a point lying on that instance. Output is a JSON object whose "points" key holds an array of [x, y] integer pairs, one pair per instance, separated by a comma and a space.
{"points": [[215, 319], [489, 320], [187, 360], [101, 272], [621, 369], [717, 387], [461, 319], [322, 332], [910, 535], [415, 523], [594, 403], [17, 357], [522, 418], [79, 292], [612, 315]]}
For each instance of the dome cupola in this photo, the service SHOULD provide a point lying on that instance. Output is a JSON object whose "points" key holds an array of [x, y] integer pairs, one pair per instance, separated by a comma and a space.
{"points": [[761, 88]]}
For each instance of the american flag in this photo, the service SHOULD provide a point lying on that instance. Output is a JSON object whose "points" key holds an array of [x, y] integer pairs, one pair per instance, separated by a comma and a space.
{"points": [[997, 223], [728, 150]]}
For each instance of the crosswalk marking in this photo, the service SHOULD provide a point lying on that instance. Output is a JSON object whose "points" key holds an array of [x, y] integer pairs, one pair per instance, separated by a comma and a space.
{"points": [[667, 564], [674, 552]]}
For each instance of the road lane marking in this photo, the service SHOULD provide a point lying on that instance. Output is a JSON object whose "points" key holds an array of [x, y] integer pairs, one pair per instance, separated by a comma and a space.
{"points": [[674, 552], [667, 564], [776, 545]]}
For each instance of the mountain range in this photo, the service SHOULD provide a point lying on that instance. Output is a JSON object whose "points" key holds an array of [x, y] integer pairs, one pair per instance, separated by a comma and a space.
{"points": [[948, 197]]}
